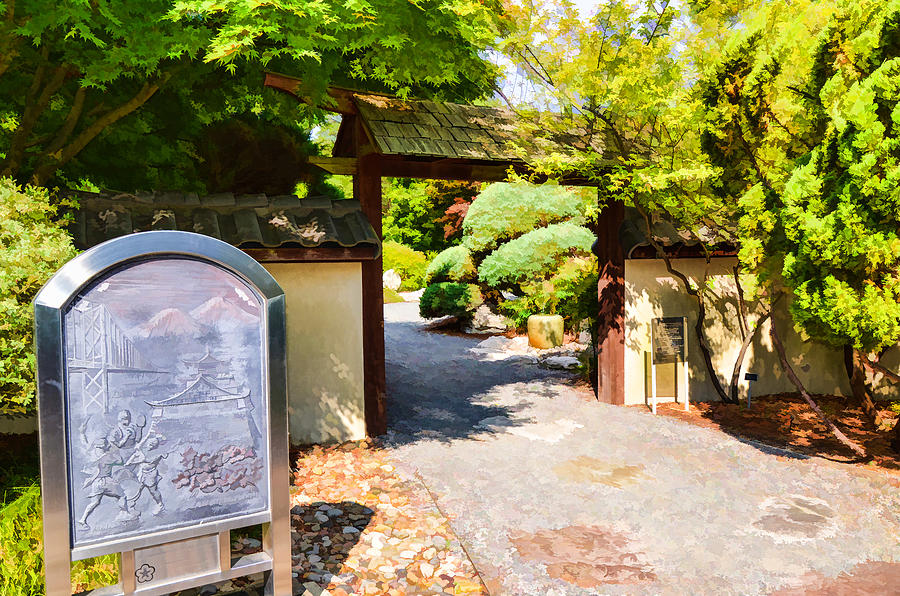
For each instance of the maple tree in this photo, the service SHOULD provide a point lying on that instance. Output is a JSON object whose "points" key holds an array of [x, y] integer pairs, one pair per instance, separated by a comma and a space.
{"points": [[75, 75]]}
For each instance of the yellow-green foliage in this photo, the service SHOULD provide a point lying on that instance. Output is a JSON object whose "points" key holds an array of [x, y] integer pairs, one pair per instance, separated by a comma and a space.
{"points": [[534, 256], [22, 552], [570, 292], [408, 263], [391, 297], [33, 245], [452, 264], [505, 211], [449, 298], [818, 192]]}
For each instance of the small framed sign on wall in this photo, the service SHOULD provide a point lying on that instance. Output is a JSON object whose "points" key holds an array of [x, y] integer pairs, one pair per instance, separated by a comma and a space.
{"points": [[668, 345], [162, 414]]}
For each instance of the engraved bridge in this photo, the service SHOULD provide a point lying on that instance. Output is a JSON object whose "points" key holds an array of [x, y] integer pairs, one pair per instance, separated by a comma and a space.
{"points": [[96, 347]]}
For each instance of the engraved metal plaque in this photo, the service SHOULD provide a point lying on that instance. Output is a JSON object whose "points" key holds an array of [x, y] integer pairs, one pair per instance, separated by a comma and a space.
{"points": [[162, 412], [668, 346], [668, 339], [167, 417]]}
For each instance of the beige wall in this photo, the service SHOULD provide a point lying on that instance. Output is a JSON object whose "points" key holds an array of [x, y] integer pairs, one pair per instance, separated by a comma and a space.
{"points": [[652, 292], [18, 426], [324, 350]]}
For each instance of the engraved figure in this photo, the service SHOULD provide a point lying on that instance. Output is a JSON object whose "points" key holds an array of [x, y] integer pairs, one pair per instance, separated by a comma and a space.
{"points": [[126, 435], [147, 472], [101, 482]]}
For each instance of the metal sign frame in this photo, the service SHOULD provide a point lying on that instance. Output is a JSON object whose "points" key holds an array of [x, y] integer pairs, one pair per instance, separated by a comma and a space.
{"points": [[49, 310], [653, 396]]}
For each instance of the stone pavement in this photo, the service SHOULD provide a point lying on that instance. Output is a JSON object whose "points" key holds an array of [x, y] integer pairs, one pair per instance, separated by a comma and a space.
{"points": [[552, 493]]}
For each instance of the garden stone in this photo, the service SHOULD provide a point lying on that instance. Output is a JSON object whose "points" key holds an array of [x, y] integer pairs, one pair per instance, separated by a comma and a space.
{"points": [[486, 321], [391, 279], [520, 344], [497, 342], [561, 362]]}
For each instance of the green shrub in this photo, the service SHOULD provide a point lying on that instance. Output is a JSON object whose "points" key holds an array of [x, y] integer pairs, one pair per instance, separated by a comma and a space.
{"points": [[33, 245], [535, 256], [506, 211], [449, 298], [453, 264], [408, 263], [575, 290], [22, 552], [571, 292]]}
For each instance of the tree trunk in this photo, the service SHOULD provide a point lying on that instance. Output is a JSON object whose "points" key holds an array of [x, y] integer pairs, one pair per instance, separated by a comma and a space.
{"points": [[701, 312], [895, 437], [857, 375], [779, 348], [739, 361]]}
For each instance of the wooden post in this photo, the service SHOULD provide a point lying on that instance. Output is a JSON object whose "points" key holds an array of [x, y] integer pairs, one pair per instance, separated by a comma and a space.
{"points": [[367, 190], [611, 297]]}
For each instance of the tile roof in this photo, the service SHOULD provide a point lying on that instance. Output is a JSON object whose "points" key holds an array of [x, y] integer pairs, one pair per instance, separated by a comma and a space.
{"points": [[449, 130], [245, 221], [634, 235]]}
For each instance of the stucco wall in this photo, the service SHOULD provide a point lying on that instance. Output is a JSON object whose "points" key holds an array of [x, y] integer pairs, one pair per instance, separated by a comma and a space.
{"points": [[652, 292], [324, 350], [18, 426]]}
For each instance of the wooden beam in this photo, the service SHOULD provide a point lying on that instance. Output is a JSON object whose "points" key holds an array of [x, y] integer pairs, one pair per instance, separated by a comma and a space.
{"points": [[611, 313], [315, 254], [446, 169], [367, 190], [339, 166], [398, 166], [341, 100]]}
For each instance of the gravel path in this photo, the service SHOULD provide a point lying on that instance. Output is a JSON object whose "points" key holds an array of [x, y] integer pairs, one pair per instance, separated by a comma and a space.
{"points": [[552, 493]]}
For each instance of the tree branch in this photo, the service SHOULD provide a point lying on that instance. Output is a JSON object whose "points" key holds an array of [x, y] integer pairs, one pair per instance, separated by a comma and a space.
{"points": [[779, 348], [620, 142], [69, 124], [8, 50], [33, 111], [656, 25], [875, 367], [547, 78], [743, 311], [62, 156], [701, 309]]}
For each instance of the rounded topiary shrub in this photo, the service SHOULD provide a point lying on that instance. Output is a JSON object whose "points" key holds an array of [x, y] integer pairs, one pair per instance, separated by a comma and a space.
{"points": [[409, 264], [452, 264], [505, 211], [535, 255], [449, 298]]}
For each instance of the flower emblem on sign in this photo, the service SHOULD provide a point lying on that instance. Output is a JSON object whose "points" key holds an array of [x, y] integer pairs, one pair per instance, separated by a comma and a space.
{"points": [[144, 573]]}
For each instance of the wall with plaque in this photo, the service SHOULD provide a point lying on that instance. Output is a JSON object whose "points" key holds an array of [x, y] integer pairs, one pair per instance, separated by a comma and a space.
{"points": [[652, 292], [668, 349], [162, 412]]}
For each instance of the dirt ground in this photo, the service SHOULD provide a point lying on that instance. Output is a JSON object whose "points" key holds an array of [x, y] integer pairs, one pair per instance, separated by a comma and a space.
{"points": [[785, 420]]}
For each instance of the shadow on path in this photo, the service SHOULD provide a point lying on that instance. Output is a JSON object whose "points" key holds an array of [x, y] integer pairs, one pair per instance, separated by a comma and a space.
{"points": [[438, 390]]}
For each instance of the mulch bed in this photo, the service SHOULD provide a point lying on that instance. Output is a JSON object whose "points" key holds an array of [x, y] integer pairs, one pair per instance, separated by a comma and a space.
{"points": [[785, 420], [362, 527]]}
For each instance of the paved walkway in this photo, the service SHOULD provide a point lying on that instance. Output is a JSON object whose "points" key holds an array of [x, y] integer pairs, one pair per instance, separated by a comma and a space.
{"points": [[552, 493]]}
